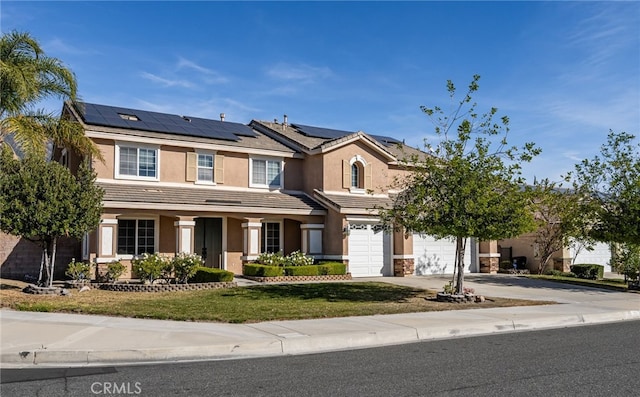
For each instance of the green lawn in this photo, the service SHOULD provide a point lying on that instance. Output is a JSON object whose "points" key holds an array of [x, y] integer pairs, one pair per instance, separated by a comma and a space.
{"points": [[249, 304]]}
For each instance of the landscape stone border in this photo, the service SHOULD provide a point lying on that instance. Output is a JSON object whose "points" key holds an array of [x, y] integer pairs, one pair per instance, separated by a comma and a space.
{"points": [[125, 287], [456, 298], [281, 279]]}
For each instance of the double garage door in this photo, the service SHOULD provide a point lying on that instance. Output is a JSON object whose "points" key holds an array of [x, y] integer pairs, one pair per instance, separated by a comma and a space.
{"points": [[432, 256], [369, 251]]}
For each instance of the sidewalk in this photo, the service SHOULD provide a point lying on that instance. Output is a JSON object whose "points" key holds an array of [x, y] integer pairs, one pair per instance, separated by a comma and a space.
{"points": [[58, 339]]}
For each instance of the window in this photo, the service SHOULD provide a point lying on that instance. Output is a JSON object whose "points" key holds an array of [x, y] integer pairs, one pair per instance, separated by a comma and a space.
{"points": [[205, 167], [266, 173], [355, 176], [136, 236], [137, 162], [271, 237]]}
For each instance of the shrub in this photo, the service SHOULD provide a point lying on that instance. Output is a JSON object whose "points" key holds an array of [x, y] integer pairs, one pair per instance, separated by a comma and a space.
{"points": [[114, 271], [312, 270], [333, 268], [297, 258], [184, 266], [271, 259], [78, 270], [211, 275], [559, 273], [149, 267], [258, 270], [588, 271]]}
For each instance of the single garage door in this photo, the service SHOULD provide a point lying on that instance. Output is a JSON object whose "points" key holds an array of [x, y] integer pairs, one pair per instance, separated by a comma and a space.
{"points": [[369, 249], [600, 255], [433, 256]]}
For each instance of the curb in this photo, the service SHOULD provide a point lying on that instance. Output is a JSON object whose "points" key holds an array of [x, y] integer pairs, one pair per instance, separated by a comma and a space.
{"points": [[305, 344]]}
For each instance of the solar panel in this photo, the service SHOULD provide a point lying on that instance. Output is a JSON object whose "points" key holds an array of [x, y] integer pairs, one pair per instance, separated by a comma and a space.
{"points": [[386, 140], [317, 132], [327, 133], [111, 116]]}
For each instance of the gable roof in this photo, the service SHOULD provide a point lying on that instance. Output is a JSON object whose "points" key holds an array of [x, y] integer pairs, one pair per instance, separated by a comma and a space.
{"points": [[313, 140], [352, 204]]}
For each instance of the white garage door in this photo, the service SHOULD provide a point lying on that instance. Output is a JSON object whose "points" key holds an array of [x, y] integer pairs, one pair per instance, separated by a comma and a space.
{"points": [[432, 256], [368, 251], [600, 255]]}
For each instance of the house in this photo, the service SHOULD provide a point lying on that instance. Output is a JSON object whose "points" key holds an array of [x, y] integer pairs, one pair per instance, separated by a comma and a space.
{"points": [[230, 191]]}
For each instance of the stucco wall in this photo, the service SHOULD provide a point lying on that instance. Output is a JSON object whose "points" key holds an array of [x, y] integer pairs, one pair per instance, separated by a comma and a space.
{"points": [[332, 169]]}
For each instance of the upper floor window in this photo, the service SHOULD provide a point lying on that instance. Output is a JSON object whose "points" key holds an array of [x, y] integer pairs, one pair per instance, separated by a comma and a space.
{"points": [[357, 175], [205, 167], [136, 162], [266, 173]]}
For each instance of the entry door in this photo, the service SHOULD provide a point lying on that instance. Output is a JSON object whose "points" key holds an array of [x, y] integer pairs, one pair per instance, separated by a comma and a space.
{"points": [[208, 241]]}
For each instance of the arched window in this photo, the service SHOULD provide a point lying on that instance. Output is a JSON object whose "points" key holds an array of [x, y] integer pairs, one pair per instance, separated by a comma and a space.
{"points": [[356, 175]]}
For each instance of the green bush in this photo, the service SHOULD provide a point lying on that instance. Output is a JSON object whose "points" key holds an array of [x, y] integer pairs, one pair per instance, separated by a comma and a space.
{"points": [[114, 271], [333, 268], [184, 266], [150, 267], [588, 271], [211, 275], [559, 273], [258, 270], [311, 270], [78, 270]]}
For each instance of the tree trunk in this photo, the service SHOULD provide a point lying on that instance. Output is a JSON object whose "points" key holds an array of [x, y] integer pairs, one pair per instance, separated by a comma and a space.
{"points": [[54, 245], [47, 268], [460, 247], [42, 259]]}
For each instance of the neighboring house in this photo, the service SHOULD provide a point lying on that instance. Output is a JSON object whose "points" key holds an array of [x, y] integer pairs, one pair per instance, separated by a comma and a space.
{"points": [[230, 191], [575, 253]]}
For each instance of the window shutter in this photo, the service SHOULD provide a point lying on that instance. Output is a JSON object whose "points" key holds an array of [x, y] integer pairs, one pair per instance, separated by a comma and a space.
{"points": [[192, 166], [367, 177], [218, 165], [346, 174]]}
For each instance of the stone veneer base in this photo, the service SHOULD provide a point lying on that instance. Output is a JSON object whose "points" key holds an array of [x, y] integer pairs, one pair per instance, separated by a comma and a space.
{"points": [[281, 279]]}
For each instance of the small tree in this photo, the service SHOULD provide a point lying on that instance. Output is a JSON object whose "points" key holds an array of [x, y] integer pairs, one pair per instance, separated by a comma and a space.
{"points": [[466, 185], [42, 201], [560, 220], [611, 182]]}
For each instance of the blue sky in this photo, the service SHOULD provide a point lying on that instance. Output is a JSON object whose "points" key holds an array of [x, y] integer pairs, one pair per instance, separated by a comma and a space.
{"points": [[564, 72]]}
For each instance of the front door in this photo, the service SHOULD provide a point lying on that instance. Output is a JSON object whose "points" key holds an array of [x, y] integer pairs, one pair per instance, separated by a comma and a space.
{"points": [[208, 241]]}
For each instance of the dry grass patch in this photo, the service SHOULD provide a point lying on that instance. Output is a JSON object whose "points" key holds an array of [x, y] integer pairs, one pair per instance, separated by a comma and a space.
{"points": [[248, 304]]}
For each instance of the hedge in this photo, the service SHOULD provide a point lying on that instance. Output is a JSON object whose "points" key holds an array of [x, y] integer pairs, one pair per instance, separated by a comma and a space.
{"points": [[310, 270], [256, 270], [322, 269], [327, 268], [211, 275], [588, 271]]}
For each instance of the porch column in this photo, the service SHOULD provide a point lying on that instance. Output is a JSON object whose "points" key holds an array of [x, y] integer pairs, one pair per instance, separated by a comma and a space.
{"points": [[251, 230], [312, 238], [107, 240], [185, 232], [489, 256]]}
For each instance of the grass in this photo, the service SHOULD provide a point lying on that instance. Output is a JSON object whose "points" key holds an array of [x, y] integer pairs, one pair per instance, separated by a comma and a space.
{"points": [[615, 284], [248, 304]]}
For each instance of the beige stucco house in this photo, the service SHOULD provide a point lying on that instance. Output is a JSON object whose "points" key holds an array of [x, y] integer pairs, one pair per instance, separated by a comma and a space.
{"points": [[230, 191]]}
